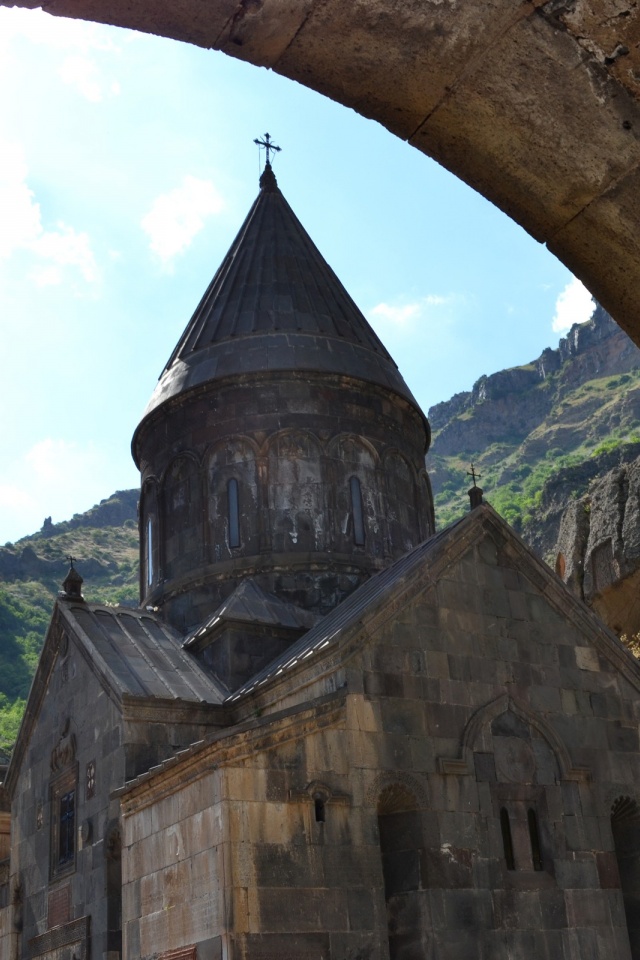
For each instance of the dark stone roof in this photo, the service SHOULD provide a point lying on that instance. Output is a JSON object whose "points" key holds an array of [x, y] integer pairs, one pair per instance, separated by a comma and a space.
{"points": [[249, 603], [275, 304], [140, 655]]}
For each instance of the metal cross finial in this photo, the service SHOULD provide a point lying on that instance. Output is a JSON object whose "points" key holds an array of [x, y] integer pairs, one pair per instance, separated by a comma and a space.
{"points": [[268, 145], [474, 476], [71, 560]]}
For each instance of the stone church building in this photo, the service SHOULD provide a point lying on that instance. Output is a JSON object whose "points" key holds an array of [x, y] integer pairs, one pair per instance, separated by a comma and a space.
{"points": [[328, 732]]}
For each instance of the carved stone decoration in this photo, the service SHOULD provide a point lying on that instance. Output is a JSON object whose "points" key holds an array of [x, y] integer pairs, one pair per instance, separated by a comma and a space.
{"points": [[625, 808], [64, 752], [392, 779], [91, 779], [319, 791], [39, 815]]}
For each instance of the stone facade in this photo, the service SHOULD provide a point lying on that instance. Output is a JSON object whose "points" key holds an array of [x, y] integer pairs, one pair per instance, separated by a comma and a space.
{"points": [[364, 817], [328, 733]]}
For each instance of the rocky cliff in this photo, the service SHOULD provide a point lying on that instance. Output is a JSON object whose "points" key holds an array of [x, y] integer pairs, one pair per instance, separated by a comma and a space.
{"points": [[540, 433]]}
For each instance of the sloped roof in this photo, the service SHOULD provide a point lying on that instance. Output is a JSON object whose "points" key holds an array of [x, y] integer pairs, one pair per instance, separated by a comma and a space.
{"points": [[249, 603], [275, 304], [428, 557], [140, 655]]}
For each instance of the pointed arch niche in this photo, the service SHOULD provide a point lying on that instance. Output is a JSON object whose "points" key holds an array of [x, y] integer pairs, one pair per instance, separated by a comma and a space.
{"points": [[356, 486], [182, 517], [234, 511], [297, 506], [403, 868]]}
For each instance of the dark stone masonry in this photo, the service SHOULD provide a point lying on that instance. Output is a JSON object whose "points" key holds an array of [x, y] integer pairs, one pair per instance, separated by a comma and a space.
{"points": [[328, 732]]}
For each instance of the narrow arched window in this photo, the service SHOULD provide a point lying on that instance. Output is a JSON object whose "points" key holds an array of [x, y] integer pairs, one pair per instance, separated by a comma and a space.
{"points": [[234, 512], [507, 841], [534, 837], [150, 571], [357, 511]]}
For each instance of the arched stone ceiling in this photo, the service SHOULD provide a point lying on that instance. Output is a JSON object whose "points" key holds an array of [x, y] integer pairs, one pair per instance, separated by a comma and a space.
{"points": [[533, 104]]}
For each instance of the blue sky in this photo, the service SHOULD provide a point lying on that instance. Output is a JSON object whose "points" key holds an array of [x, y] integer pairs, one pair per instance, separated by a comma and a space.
{"points": [[127, 165]]}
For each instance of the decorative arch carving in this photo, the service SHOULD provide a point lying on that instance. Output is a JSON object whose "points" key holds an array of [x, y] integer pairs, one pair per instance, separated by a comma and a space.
{"points": [[485, 715], [625, 809], [232, 463], [335, 446], [401, 488], [296, 491], [396, 784], [182, 515]]}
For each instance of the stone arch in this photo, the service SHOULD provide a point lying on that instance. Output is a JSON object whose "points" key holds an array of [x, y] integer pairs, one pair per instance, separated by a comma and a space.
{"points": [[182, 516], [233, 459], [481, 720], [396, 781], [296, 491], [401, 507]]}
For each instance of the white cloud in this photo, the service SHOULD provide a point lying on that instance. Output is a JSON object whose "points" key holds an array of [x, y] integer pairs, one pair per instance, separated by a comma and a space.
{"points": [[176, 217], [21, 226], [61, 33], [403, 315], [54, 478], [574, 305], [84, 74]]}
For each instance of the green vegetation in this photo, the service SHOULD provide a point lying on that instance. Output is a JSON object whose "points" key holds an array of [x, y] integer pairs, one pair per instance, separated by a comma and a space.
{"points": [[31, 574]]}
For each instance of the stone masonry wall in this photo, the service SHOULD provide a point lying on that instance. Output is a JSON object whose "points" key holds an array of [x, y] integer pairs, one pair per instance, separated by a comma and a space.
{"points": [[478, 701]]}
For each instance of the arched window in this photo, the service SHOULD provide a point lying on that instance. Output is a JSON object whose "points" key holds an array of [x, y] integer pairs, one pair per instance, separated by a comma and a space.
{"points": [[356, 511], [149, 552], [507, 840], [534, 839], [233, 508]]}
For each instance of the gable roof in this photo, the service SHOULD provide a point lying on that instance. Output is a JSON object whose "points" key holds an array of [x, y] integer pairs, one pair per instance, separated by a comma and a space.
{"points": [[250, 604], [423, 567], [133, 654], [275, 304]]}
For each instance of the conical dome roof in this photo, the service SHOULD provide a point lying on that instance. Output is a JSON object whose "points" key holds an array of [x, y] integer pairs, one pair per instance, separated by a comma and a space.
{"points": [[275, 304]]}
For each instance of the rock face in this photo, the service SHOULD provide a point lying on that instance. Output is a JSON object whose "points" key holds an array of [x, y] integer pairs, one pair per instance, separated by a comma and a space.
{"points": [[540, 433], [598, 547]]}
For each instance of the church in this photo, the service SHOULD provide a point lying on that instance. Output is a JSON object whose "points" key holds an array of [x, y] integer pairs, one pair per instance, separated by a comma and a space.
{"points": [[329, 732]]}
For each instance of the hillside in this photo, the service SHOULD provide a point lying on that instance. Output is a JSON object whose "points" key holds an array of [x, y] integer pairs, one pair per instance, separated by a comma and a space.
{"points": [[105, 542], [538, 434]]}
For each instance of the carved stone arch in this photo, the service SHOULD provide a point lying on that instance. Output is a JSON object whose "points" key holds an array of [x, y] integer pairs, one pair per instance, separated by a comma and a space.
{"points": [[289, 436], [396, 784], [401, 494], [182, 515], [234, 519], [485, 715], [296, 491], [232, 439], [186, 455], [625, 809], [335, 443]]}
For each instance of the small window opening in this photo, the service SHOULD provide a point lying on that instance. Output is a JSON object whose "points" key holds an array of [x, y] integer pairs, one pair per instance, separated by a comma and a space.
{"points": [[320, 809], [534, 837], [357, 511], [234, 513], [67, 827], [149, 552], [507, 841]]}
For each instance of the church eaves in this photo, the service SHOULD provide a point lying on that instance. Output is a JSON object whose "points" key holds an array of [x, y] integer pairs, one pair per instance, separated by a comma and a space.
{"points": [[275, 304]]}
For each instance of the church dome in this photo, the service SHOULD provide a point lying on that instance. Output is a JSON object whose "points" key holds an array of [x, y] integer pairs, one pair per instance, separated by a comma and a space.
{"points": [[275, 304], [281, 442]]}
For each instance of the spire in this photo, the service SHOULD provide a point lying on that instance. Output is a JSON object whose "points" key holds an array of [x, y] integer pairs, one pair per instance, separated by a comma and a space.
{"points": [[275, 305], [72, 584]]}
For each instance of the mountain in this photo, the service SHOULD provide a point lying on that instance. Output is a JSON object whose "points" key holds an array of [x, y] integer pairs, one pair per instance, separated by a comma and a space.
{"points": [[104, 540], [540, 433]]}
